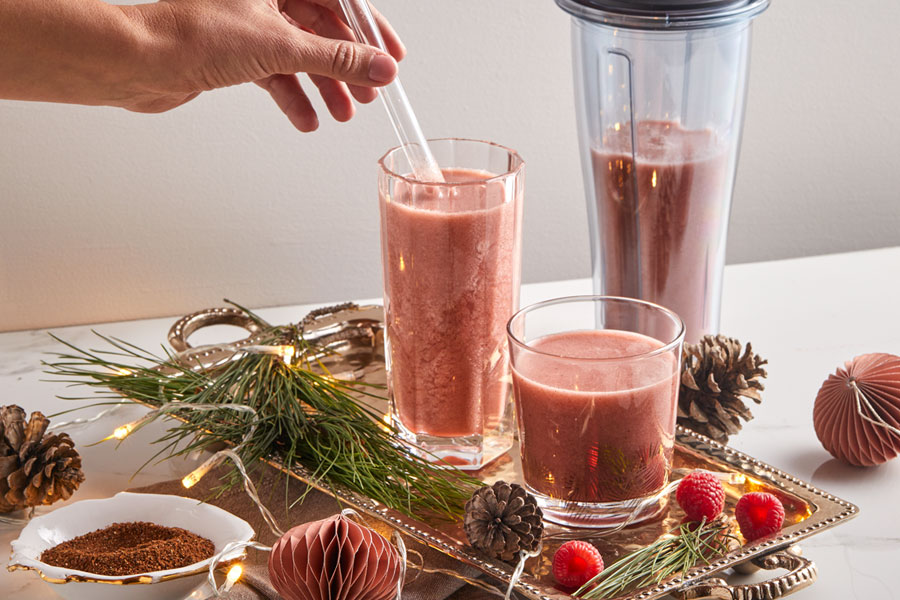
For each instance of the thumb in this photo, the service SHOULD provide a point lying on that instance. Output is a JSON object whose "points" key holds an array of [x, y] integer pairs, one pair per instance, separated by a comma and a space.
{"points": [[353, 63]]}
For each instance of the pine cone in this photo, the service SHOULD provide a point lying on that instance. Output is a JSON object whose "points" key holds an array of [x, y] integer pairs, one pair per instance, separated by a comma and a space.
{"points": [[715, 376], [502, 519], [34, 469]]}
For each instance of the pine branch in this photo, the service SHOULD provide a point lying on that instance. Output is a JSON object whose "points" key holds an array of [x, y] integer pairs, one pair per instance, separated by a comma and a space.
{"points": [[668, 556], [304, 417]]}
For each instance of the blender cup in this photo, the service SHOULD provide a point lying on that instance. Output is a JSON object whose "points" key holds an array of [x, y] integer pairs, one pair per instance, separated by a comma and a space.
{"points": [[660, 87]]}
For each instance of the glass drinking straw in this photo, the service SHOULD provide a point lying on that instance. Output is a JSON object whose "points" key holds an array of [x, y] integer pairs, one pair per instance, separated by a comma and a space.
{"points": [[406, 126]]}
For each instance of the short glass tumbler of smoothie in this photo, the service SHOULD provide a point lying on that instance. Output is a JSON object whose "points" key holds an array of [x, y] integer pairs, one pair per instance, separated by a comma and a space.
{"points": [[595, 381], [451, 256]]}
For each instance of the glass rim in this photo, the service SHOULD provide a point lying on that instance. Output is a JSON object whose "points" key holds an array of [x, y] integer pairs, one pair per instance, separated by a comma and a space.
{"points": [[517, 158], [666, 347]]}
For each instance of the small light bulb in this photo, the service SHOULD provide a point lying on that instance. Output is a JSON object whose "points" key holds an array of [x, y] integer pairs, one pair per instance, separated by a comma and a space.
{"points": [[192, 478], [234, 573], [287, 352], [120, 433]]}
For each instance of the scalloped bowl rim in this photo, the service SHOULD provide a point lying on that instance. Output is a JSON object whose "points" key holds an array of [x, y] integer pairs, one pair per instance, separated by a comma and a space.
{"points": [[28, 546]]}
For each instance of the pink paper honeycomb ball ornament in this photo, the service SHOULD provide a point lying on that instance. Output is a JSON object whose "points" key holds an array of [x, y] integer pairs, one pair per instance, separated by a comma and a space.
{"points": [[857, 410], [334, 559]]}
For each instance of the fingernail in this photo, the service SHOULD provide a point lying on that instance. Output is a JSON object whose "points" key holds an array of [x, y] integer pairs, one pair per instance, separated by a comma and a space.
{"points": [[382, 68]]}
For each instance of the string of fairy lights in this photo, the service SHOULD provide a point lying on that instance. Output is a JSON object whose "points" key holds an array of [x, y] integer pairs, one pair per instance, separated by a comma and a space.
{"points": [[194, 477]]}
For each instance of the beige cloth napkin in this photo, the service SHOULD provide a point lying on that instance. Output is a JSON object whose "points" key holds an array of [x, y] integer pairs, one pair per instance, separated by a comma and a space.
{"points": [[274, 487]]}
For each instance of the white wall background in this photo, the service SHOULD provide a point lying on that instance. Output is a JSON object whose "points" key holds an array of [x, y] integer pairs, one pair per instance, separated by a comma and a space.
{"points": [[109, 215]]}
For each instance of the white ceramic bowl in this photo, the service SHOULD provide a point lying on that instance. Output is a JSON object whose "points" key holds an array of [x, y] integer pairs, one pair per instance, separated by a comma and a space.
{"points": [[78, 518]]}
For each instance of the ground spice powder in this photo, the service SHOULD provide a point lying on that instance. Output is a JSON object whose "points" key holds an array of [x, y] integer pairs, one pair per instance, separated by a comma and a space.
{"points": [[129, 549]]}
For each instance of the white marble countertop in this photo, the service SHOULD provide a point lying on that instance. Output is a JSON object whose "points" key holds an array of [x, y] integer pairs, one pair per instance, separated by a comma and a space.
{"points": [[806, 316]]}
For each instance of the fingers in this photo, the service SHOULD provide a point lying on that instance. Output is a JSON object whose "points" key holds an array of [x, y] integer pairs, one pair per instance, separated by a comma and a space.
{"points": [[324, 22], [292, 100], [336, 97], [363, 94], [391, 40], [320, 43], [350, 62], [295, 104]]}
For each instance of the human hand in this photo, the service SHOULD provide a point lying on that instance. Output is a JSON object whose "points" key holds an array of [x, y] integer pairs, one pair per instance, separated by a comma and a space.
{"points": [[200, 45]]}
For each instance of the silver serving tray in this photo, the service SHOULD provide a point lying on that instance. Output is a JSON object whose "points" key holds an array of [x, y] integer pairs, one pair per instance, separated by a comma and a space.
{"points": [[354, 337]]}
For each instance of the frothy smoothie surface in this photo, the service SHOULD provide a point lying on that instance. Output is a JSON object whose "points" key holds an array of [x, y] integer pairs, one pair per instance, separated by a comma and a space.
{"points": [[596, 430], [451, 276]]}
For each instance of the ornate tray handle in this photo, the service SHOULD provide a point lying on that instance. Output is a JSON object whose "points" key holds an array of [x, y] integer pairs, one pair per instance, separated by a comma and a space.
{"points": [[341, 329], [185, 326], [802, 572]]}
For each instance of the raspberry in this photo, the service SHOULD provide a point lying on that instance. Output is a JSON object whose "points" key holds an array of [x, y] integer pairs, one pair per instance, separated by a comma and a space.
{"points": [[576, 563], [701, 496], [759, 514]]}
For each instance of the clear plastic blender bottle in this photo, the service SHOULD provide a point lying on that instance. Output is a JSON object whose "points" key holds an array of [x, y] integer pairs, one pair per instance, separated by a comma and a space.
{"points": [[660, 88]]}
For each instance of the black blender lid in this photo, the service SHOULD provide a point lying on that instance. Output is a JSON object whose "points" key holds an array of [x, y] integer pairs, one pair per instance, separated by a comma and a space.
{"points": [[658, 5], [664, 14]]}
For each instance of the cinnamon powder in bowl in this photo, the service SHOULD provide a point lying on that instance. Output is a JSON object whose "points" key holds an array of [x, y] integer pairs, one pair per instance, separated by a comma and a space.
{"points": [[137, 536], [129, 548]]}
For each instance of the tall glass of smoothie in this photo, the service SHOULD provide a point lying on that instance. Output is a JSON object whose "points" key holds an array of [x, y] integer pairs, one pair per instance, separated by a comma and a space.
{"points": [[595, 380], [451, 256]]}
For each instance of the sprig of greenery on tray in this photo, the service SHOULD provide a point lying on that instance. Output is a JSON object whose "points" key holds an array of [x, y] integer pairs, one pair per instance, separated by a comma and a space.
{"points": [[674, 553], [304, 416]]}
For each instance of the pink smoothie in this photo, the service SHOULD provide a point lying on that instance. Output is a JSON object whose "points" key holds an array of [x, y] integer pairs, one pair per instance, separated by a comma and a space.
{"points": [[596, 431], [451, 282], [672, 253]]}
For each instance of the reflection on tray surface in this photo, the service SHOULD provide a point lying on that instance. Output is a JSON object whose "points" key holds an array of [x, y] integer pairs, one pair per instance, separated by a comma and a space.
{"points": [[620, 543]]}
